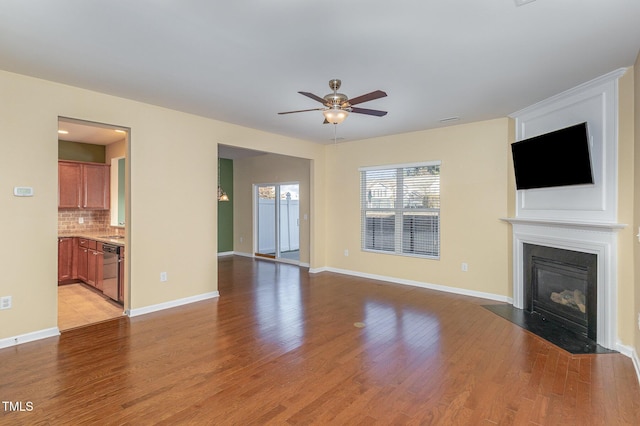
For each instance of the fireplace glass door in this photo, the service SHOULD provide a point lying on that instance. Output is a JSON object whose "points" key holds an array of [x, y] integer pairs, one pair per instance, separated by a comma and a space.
{"points": [[560, 290], [561, 286]]}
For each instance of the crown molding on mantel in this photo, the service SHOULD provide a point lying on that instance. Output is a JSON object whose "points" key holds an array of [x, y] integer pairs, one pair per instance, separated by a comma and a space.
{"points": [[601, 226]]}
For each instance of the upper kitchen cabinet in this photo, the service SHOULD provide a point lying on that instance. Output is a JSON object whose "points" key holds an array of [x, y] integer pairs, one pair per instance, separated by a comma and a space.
{"points": [[83, 185], [69, 185]]}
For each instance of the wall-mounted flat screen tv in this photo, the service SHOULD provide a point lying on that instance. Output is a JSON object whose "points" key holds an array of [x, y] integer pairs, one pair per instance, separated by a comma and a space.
{"points": [[559, 158]]}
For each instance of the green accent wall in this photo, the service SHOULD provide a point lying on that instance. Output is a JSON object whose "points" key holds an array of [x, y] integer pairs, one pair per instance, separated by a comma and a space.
{"points": [[225, 208], [77, 151]]}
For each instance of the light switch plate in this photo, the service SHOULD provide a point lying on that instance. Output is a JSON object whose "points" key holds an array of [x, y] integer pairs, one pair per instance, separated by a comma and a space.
{"points": [[5, 302]]}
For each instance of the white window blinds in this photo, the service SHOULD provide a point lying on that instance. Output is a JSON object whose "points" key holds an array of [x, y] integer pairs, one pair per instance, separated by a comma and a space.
{"points": [[400, 208]]}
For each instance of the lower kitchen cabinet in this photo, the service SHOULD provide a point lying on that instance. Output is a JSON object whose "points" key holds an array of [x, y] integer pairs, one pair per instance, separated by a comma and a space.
{"points": [[121, 277], [94, 266], [89, 262], [65, 259], [82, 259]]}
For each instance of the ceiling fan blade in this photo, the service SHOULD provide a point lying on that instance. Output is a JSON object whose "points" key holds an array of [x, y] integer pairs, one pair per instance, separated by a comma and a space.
{"points": [[314, 97], [368, 97], [301, 110], [375, 112]]}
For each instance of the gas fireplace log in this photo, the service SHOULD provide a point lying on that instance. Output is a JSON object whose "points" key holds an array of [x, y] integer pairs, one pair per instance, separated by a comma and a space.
{"points": [[575, 299]]}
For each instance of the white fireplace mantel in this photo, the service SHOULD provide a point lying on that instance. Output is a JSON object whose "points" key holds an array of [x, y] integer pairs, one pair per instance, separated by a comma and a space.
{"points": [[597, 238], [577, 224], [581, 217]]}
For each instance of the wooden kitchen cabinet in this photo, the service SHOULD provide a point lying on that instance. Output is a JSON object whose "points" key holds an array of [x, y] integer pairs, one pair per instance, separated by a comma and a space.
{"points": [[82, 259], [65, 259], [95, 266], [83, 185], [95, 184], [69, 185], [121, 276], [86, 264]]}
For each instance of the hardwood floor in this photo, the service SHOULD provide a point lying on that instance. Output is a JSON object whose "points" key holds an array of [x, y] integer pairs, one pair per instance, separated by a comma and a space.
{"points": [[78, 306], [281, 346]]}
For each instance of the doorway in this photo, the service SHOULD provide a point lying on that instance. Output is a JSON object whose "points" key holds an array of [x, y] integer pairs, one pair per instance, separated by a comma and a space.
{"points": [[91, 218], [277, 221]]}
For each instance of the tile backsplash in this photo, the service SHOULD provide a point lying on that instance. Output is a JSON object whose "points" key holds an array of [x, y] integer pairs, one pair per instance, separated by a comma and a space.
{"points": [[94, 221]]}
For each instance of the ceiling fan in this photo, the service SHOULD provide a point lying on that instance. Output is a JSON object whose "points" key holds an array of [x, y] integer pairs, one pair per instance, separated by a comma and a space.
{"points": [[337, 106]]}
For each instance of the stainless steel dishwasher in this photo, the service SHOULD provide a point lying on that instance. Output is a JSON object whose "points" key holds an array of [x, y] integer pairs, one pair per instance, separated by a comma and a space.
{"points": [[111, 271]]}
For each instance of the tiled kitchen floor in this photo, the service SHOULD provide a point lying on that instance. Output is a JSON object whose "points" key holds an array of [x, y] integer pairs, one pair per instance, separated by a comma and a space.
{"points": [[79, 306]]}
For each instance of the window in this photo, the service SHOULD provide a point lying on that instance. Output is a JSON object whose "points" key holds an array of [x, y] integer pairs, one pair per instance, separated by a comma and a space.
{"points": [[400, 208]]}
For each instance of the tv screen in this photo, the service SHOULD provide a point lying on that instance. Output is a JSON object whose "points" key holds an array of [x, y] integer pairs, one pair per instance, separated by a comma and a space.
{"points": [[559, 158]]}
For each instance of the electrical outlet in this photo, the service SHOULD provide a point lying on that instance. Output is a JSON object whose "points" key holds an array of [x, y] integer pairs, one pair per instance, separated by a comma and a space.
{"points": [[346, 252], [638, 320], [81, 220], [465, 267], [163, 276], [5, 302]]}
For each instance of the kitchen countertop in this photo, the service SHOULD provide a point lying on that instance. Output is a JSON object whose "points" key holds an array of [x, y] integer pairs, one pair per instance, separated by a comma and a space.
{"points": [[101, 236]]}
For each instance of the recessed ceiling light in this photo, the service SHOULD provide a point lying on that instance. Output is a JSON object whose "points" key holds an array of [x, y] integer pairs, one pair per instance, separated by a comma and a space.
{"points": [[63, 132], [523, 2]]}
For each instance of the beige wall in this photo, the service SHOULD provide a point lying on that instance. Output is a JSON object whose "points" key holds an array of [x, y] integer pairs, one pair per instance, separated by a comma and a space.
{"points": [[626, 192], [474, 196], [115, 150], [173, 163], [268, 168], [636, 221], [173, 170]]}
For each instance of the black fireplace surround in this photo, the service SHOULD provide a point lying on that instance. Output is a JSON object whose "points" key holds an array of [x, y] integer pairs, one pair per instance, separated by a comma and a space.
{"points": [[561, 287]]}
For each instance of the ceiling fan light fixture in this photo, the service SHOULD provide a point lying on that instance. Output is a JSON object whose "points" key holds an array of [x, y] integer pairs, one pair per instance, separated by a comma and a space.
{"points": [[335, 115]]}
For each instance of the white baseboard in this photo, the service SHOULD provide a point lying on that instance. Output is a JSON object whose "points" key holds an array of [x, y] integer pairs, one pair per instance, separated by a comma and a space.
{"points": [[623, 349], [631, 353], [447, 289], [239, 253], [636, 363], [225, 253], [29, 337], [171, 304]]}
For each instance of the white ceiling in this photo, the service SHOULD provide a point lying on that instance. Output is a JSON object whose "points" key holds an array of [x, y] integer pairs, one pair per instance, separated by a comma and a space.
{"points": [[244, 61], [86, 132]]}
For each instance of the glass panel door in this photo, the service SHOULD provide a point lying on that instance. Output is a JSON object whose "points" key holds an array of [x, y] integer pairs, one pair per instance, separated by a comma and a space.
{"points": [[278, 221], [266, 220], [289, 241]]}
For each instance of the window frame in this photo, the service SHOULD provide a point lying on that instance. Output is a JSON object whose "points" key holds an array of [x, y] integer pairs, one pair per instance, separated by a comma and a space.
{"points": [[398, 211]]}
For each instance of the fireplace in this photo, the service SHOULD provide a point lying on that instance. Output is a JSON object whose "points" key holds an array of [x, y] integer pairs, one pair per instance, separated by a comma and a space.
{"points": [[561, 286]]}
